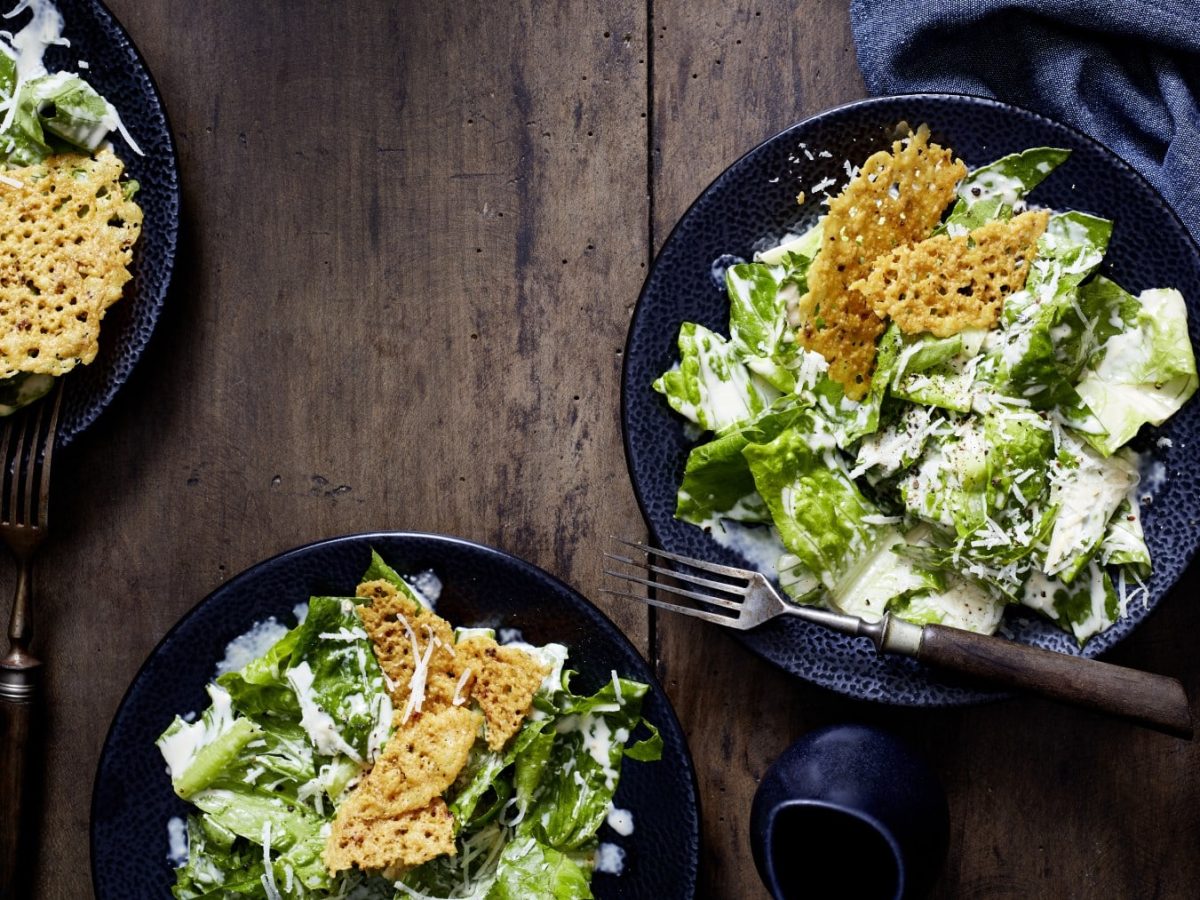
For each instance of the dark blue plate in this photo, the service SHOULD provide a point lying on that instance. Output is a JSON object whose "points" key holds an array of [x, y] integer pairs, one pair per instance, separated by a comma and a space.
{"points": [[132, 799], [753, 204], [116, 69]]}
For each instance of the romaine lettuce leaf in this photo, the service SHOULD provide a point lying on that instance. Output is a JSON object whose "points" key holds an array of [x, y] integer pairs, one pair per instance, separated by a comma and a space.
{"points": [[992, 191], [1124, 541], [818, 509], [881, 579], [1085, 607], [962, 603], [712, 386], [1142, 374], [216, 866], [70, 109], [291, 831], [22, 389], [344, 703], [378, 570], [1046, 337], [939, 372], [530, 868], [576, 785], [1086, 490], [758, 319]]}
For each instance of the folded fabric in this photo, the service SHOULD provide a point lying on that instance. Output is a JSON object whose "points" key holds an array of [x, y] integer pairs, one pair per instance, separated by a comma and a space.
{"points": [[1127, 72]]}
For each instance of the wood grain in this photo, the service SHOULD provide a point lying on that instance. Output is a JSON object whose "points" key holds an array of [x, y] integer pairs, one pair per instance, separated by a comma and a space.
{"points": [[411, 248], [413, 237]]}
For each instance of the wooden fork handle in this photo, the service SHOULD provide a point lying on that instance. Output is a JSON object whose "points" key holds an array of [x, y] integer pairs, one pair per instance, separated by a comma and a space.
{"points": [[20, 690], [1156, 701]]}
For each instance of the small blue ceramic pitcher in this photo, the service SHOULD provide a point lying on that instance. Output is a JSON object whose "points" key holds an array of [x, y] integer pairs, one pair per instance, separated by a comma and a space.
{"points": [[849, 812]]}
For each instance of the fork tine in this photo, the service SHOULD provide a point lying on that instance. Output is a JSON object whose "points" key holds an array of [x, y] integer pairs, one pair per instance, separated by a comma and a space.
{"points": [[671, 589], [715, 618], [716, 568], [5, 441], [51, 435], [34, 433], [739, 590], [15, 496]]}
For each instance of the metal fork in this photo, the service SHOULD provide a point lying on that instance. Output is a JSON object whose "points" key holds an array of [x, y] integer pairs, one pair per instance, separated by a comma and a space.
{"points": [[26, 450], [743, 599]]}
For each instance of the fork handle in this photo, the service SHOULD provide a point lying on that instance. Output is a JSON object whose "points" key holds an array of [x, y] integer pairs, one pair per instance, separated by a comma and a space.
{"points": [[1156, 701], [20, 690]]}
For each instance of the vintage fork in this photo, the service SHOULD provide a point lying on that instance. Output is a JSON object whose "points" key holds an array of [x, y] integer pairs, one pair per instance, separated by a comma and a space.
{"points": [[744, 599], [26, 450]]}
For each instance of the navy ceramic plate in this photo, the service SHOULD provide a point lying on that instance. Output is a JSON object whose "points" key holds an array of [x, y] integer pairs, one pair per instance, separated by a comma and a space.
{"points": [[753, 204], [116, 69], [132, 799]]}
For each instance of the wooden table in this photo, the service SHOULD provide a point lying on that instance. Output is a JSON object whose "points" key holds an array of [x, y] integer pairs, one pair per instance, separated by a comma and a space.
{"points": [[413, 237]]}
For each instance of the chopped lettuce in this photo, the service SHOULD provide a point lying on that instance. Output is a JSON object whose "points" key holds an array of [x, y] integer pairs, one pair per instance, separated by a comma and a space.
{"points": [[1143, 373], [995, 190], [1085, 607], [22, 389], [820, 512], [286, 736], [46, 113], [981, 469], [712, 385]]}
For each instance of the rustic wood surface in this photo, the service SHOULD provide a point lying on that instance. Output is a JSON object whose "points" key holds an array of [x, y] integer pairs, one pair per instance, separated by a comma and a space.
{"points": [[414, 233]]}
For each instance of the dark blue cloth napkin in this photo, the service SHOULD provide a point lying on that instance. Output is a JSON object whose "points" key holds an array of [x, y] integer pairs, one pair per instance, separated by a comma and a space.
{"points": [[1127, 72]]}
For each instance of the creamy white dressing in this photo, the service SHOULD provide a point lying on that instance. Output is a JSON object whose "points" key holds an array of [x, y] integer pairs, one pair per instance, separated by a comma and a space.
{"points": [[989, 185], [344, 634], [179, 749], [1153, 475], [759, 545], [610, 859], [247, 647], [316, 722], [1086, 497], [598, 738], [427, 586], [620, 821], [1097, 618], [177, 845]]}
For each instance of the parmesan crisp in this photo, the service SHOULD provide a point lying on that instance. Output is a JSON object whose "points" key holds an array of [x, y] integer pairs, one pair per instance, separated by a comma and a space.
{"points": [[895, 199], [396, 817], [946, 284], [66, 239]]}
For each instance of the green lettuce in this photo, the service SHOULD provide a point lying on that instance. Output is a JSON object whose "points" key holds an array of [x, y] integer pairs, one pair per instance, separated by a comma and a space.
{"points": [[993, 191], [1085, 607], [1047, 337], [712, 385], [818, 509], [1143, 373]]}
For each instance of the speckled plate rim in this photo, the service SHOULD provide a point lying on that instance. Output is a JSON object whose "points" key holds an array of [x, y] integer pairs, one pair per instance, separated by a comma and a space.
{"points": [[151, 301], [942, 695], [584, 606]]}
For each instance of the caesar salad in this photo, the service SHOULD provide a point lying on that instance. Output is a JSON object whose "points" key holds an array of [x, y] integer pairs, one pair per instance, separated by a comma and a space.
{"points": [[375, 751], [926, 398]]}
